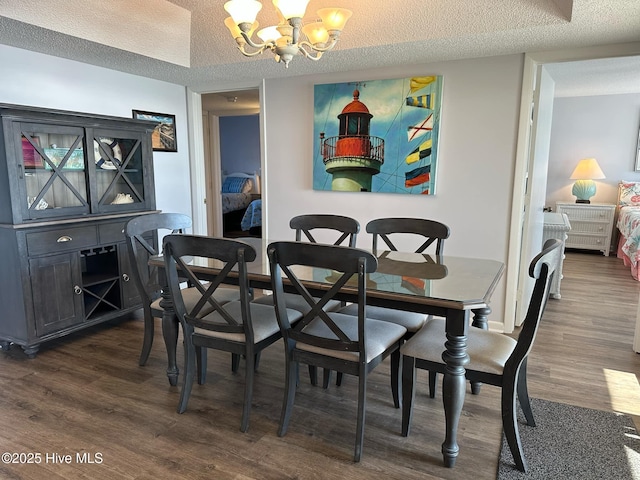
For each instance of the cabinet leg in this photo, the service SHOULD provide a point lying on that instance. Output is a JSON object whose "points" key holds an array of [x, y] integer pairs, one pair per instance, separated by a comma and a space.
{"points": [[5, 345], [31, 350]]}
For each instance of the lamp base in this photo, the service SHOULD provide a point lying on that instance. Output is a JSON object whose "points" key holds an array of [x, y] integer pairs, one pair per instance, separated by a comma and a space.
{"points": [[584, 190]]}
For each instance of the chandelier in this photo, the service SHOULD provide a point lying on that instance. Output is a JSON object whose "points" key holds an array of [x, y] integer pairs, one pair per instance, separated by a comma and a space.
{"points": [[287, 39]]}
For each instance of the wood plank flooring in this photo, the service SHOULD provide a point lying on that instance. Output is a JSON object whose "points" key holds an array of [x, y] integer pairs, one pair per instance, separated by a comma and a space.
{"points": [[86, 395]]}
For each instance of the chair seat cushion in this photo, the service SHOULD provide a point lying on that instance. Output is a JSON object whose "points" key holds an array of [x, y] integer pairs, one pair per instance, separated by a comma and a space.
{"points": [[298, 303], [263, 319], [378, 337], [488, 351], [412, 321], [191, 295]]}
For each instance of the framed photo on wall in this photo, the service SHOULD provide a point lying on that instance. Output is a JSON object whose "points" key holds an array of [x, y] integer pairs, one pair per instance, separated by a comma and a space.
{"points": [[163, 138]]}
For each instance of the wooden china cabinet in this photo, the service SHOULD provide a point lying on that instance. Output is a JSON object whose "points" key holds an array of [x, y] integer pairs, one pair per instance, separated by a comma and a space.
{"points": [[68, 183]]}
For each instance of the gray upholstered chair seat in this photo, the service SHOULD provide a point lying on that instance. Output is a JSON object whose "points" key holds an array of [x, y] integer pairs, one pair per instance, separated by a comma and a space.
{"points": [[297, 302], [264, 322], [191, 295], [379, 336], [412, 321], [488, 351]]}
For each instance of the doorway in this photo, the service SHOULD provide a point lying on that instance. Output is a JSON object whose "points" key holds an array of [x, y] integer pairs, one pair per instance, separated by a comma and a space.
{"points": [[231, 136], [521, 201]]}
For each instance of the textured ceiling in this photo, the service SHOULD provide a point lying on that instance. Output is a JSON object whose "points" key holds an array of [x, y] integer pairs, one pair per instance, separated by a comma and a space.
{"points": [[381, 33]]}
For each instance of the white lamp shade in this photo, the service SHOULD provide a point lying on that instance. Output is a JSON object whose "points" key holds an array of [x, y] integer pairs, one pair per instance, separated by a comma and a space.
{"points": [[291, 8], [587, 169], [230, 23], [243, 11], [316, 33], [269, 34], [334, 18]]}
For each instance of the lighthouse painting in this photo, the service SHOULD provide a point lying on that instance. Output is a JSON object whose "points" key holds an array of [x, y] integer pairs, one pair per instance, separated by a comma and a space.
{"points": [[377, 136]]}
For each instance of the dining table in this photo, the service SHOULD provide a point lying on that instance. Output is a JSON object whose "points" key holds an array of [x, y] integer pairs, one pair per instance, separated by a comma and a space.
{"points": [[456, 288]]}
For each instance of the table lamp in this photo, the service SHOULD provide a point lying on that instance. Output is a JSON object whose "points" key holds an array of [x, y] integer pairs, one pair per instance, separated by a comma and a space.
{"points": [[585, 173]]}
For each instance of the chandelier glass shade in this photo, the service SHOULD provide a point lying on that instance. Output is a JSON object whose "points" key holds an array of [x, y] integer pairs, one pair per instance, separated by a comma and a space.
{"points": [[290, 37]]}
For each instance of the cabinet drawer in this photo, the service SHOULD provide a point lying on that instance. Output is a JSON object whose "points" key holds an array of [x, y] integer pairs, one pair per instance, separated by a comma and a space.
{"points": [[589, 214], [62, 239], [590, 228], [587, 241], [111, 232]]}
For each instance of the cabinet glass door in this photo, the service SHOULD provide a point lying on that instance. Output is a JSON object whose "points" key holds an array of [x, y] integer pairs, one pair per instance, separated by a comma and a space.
{"points": [[119, 172], [54, 171]]}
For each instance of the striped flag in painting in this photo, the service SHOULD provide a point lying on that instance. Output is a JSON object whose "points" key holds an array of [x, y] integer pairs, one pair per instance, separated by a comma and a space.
{"points": [[417, 83], [421, 128], [423, 151], [417, 176], [422, 101]]}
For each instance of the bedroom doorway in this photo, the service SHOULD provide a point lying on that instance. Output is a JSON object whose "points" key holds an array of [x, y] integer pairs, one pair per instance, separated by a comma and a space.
{"points": [[521, 202], [231, 137]]}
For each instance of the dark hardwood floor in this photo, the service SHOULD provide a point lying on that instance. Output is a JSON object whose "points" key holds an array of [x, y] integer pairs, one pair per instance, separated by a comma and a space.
{"points": [[86, 395]]}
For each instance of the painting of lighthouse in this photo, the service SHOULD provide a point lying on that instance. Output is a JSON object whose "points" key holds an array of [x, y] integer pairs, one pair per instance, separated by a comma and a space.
{"points": [[377, 136]]}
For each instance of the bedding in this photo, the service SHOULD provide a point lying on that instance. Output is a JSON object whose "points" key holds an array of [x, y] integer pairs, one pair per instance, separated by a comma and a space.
{"points": [[235, 201], [628, 225], [236, 191], [252, 216]]}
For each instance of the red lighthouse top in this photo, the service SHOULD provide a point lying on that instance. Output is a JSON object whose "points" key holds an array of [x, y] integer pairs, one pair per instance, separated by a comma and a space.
{"points": [[356, 106]]}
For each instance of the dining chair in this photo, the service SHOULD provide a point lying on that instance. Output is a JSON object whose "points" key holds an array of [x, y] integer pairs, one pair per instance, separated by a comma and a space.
{"points": [[428, 233], [240, 327], [494, 358], [141, 233], [326, 339], [330, 229]]}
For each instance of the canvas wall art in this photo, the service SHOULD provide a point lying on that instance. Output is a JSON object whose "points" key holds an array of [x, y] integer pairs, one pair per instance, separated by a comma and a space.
{"points": [[377, 136]]}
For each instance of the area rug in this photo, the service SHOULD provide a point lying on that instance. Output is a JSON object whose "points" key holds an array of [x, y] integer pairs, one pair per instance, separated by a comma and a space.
{"points": [[574, 443]]}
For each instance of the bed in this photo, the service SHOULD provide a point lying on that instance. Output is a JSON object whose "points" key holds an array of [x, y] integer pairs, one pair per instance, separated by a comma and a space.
{"points": [[239, 192], [628, 225]]}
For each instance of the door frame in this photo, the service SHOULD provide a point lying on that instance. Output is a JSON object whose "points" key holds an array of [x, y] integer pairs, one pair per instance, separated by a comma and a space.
{"points": [[532, 62], [205, 185]]}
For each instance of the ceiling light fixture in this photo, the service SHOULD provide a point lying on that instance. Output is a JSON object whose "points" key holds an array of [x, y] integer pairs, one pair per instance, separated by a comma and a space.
{"points": [[287, 39]]}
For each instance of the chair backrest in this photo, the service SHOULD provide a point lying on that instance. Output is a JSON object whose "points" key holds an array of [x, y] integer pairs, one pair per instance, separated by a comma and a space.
{"points": [[141, 248], [342, 262], [347, 227], [182, 256], [432, 231], [542, 268]]}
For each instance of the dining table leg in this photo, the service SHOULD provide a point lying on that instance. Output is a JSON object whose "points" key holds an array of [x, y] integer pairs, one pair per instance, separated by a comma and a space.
{"points": [[480, 320], [170, 335], [453, 386]]}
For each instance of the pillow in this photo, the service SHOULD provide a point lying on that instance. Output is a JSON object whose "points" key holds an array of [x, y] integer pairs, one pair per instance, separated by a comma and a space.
{"points": [[237, 185], [629, 193]]}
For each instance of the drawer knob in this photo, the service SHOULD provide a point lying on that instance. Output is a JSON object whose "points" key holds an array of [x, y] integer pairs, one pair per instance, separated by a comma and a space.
{"points": [[77, 290], [125, 277], [64, 238]]}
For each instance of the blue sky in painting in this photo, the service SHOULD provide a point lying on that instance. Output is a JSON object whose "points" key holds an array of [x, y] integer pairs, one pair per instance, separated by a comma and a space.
{"points": [[386, 101]]}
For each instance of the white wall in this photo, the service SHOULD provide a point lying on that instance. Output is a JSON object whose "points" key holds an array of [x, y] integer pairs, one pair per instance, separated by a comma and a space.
{"points": [[477, 144], [604, 127], [39, 80], [476, 154]]}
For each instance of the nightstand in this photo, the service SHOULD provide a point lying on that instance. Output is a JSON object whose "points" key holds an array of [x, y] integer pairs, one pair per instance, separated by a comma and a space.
{"points": [[556, 225], [591, 225]]}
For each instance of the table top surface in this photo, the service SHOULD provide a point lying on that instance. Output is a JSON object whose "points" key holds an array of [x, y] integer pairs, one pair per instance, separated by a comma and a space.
{"points": [[443, 281]]}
